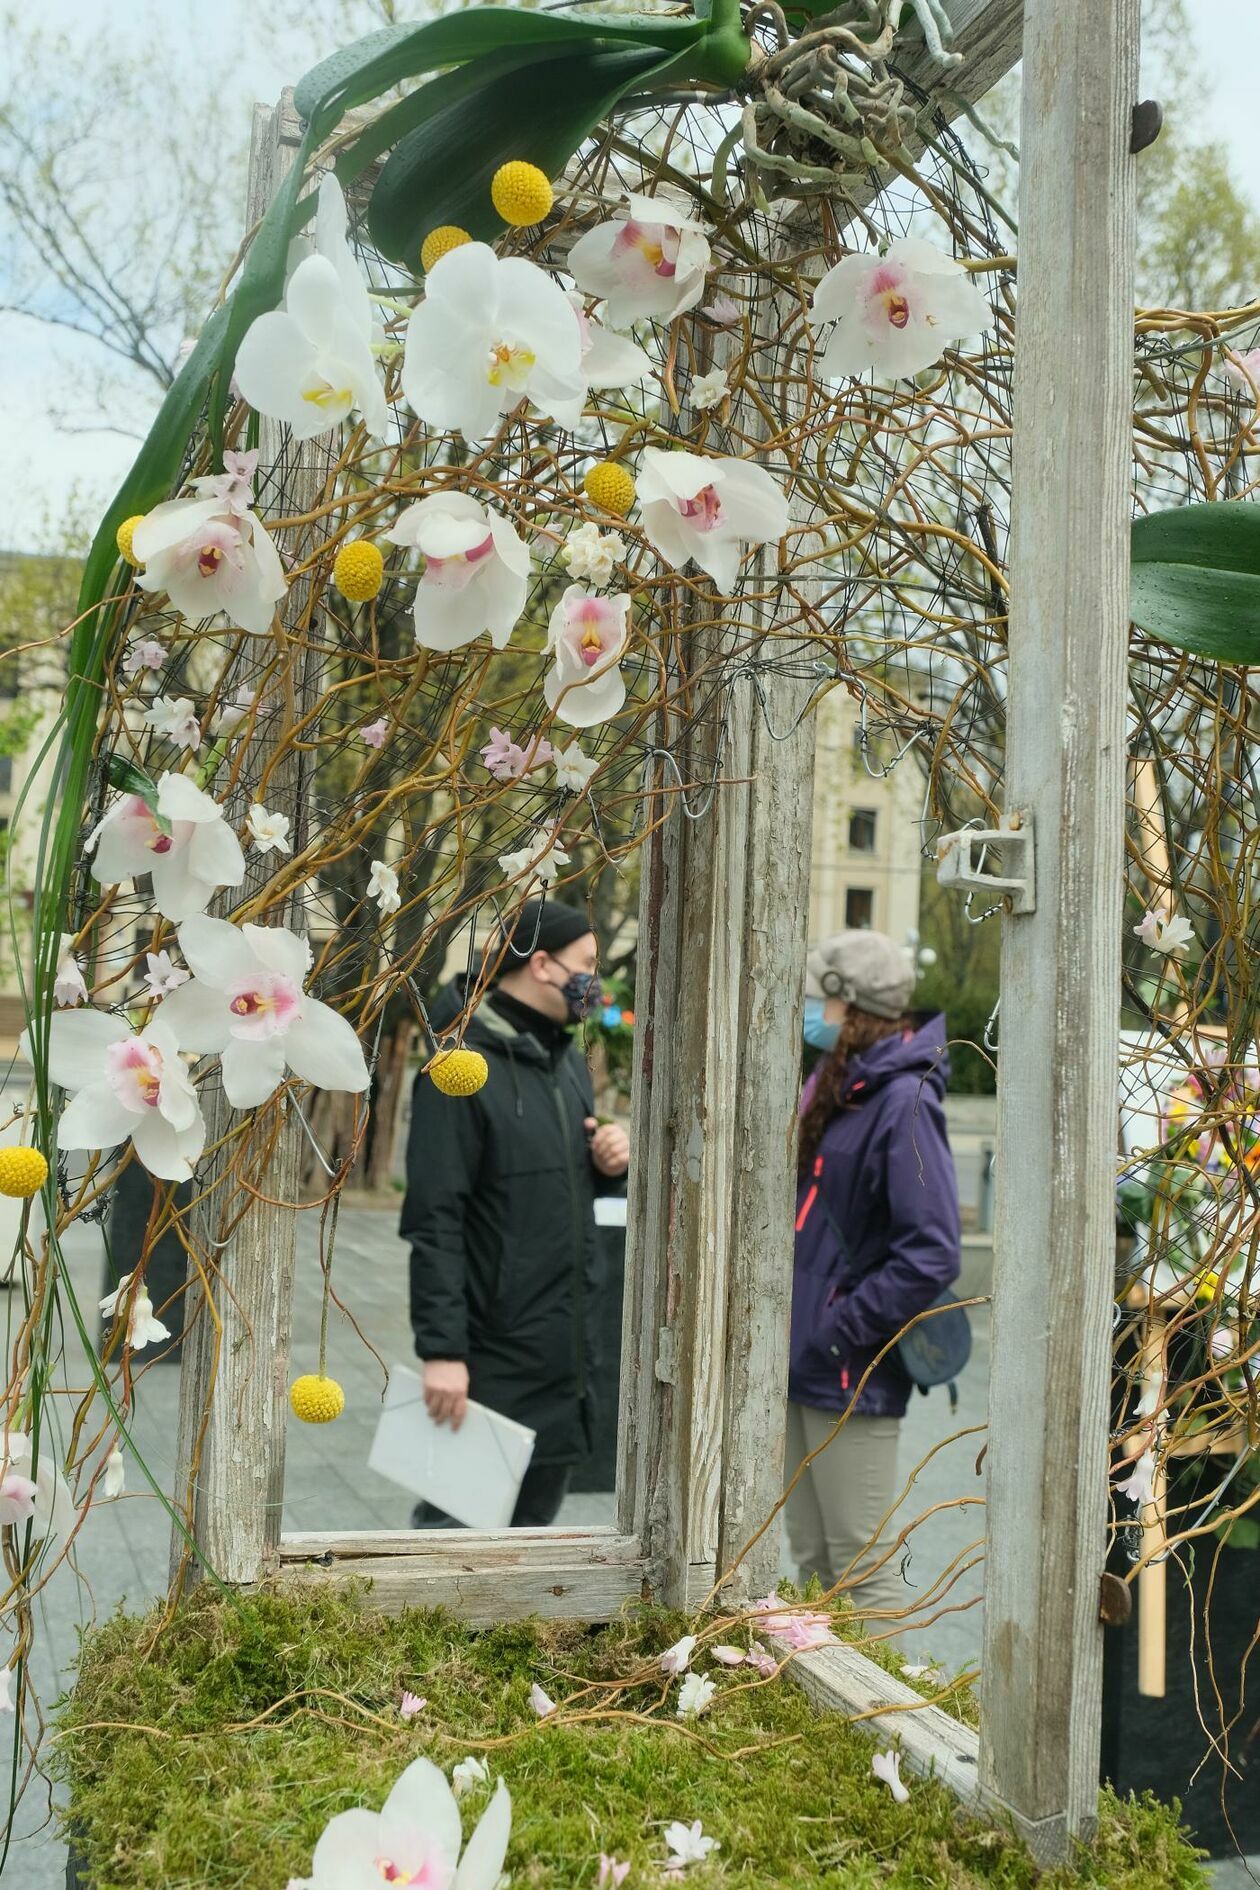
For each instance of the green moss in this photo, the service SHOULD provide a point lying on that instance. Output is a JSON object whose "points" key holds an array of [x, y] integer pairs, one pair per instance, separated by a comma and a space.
{"points": [[212, 1753]]}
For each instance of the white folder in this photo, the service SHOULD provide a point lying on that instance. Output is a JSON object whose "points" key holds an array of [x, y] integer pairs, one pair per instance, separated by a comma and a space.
{"points": [[474, 1473]]}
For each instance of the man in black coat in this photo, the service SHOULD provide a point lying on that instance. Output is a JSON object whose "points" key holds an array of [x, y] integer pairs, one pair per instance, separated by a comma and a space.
{"points": [[499, 1210]]}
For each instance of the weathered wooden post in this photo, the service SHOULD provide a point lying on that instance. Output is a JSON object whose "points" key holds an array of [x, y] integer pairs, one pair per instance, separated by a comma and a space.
{"points": [[233, 1390], [1055, 1232]]}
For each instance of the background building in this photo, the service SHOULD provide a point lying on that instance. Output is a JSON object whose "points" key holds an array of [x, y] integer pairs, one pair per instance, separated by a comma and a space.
{"points": [[866, 854]]}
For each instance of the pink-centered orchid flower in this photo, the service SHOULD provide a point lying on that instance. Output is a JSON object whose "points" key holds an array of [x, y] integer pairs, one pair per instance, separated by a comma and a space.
{"points": [[613, 1871], [648, 262], [410, 1706], [17, 1498], [310, 364], [374, 733], [507, 760], [52, 1512], [895, 313], [476, 570], [147, 654], [234, 486], [762, 1662], [184, 843], [211, 559], [246, 1000], [729, 1656], [414, 1840], [490, 332], [587, 636], [125, 1086], [800, 1628], [708, 510]]}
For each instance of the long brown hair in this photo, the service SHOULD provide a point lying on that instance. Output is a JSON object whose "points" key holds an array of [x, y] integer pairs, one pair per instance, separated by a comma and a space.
{"points": [[859, 1031]]}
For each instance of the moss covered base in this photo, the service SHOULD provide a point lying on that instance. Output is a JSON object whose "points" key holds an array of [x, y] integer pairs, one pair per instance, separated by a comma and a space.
{"points": [[213, 1752]]}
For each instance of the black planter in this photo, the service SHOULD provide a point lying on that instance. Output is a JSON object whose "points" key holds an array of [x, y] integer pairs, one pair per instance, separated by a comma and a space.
{"points": [[131, 1204], [599, 1470], [1158, 1744]]}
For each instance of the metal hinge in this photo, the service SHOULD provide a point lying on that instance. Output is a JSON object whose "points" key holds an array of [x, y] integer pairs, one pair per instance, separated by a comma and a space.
{"points": [[957, 864]]}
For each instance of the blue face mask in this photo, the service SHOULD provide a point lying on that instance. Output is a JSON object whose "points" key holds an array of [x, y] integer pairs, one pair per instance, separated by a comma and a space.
{"points": [[819, 1034]]}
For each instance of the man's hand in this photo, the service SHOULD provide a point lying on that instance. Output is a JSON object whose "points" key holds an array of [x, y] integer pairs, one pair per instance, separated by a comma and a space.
{"points": [[610, 1148], [446, 1390]]}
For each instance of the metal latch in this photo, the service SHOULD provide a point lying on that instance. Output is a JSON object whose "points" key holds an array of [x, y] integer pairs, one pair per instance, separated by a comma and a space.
{"points": [[957, 864]]}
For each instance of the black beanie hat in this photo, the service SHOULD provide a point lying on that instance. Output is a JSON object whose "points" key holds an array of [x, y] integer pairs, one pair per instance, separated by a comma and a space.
{"points": [[540, 925]]}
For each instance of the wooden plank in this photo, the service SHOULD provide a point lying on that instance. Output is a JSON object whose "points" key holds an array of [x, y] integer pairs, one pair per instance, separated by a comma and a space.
{"points": [[483, 1577], [234, 1378], [988, 34], [841, 1680], [1055, 1232], [764, 1084]]}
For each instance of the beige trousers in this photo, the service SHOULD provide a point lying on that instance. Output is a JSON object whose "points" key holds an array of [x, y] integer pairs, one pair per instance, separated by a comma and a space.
{"points": [[836, 1509]]}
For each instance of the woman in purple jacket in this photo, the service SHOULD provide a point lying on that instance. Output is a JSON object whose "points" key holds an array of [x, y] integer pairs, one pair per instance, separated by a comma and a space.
{"points": [[877, 1240]]}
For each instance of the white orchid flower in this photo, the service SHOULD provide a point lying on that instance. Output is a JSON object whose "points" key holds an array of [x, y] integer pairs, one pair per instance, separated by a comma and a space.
{"points": [[383, 887], [541, 1701], [198, 855], [887, 1767], [415, 1838], [246, 1000], [175, 718], [476, 570], [115, 1482], [147, 654], [573, 768], [124, 1086], [52, 1509], [310, 363], [648, 262], [69, 984], [143, 1325], [708, 390], [695, 1696], [163, 976], [211, 560], [233, 488], [589, 553], [467, 1773], [1162, 934], [489, 333], [688, 1844], [607, 360], [677, 1659], [708, 510], [543, 858], [1139, 1485], [588, 636], [269, 832], [895, 313], [233, 713]]}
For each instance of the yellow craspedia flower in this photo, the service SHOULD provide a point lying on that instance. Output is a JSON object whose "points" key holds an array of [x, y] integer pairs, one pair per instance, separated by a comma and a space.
{"points": [[358, 570], [458, 1072], [23, 1171], [521, 193], [126, 532], [447, 236], [316, 1399], [610, 486]]}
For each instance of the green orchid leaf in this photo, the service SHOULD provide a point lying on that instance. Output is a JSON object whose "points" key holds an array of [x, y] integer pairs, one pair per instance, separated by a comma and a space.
{"points": [[1196, 579], [433, 96], [124, 774], [383, 59], [542, 120]]}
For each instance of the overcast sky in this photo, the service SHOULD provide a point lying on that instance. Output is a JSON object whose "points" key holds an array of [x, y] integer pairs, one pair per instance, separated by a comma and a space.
{"points": [[39, 466]]}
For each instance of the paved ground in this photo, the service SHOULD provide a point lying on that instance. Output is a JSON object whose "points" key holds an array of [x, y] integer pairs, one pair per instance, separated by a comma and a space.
{"points": [[123, 1547]]}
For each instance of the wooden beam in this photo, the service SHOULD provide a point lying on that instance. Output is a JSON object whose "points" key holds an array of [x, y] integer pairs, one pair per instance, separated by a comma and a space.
{"points": [[483, 1577], [989, 36], [1055, 1230]]}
